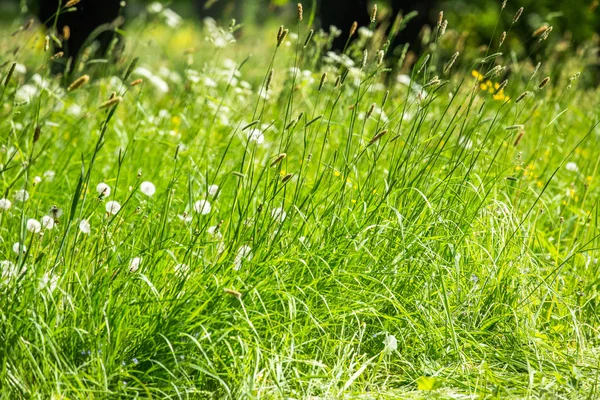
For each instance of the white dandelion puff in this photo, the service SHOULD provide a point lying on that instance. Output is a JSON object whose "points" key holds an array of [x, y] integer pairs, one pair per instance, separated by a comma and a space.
{"points": [[33, 225], [148, 188], [571, 167], [134, 264], [391, 344], [5, 204], [47, 222], [22, 195], [256, 136], [103, 189], [244, 254], [49, 175], [278, 214], [185, 218], [49, 282], [37, 180], [202, 207], [19, 248], [213, 190], [113, 207], [84, 226]]}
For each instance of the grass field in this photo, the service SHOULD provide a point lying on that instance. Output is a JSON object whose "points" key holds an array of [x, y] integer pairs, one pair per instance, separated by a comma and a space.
{"points": [[199, 223]]}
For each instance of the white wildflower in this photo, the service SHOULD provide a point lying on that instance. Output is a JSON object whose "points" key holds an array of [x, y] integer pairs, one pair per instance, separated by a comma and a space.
{"points": [[391, 344], [244, 254], [22, 195], [103, 189], [47, 222], [5, 204], [37, 180], [202, 207], [134, 264], [185, 217], [148, 188], [49, 175], [84, 226], [256, 135], [278, 214], [113, 207], [19, 248], [213, 190], [571, 167], [33, 225], [49, 281]]}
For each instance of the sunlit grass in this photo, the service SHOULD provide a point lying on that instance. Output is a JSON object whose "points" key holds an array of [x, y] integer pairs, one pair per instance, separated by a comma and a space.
{"points": [[247, 227]]}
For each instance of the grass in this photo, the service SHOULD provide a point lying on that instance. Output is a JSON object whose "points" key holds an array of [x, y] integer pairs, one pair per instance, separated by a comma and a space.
{"points": [[368, 236]]}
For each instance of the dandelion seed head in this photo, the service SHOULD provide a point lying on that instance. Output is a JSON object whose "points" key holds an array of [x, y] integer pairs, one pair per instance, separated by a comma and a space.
{"points": [[84, 226], [19, 248], [148, 188], [243, 254], [47, 222], [202, 207], [390, 344], [113, 207], [213, 190], [134, 264], [103, 189], [571, 167], [278, 214], [256, 136], [33, 225], [5, 204], [22, 195]]}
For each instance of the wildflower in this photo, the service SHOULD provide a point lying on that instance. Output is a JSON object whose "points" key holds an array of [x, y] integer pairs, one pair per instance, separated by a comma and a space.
{"points": [[5, 204], [571, 167], [278, 214], [37, 180], [33, 225], [47, 222], [181, 269], [256, 135], [103, 189], [49, 281], [113, 207], [202, 207], [22, 195], [134, 264], [84, 226], [148, 188], [390, 344], [214, 230], [477, 75], [244, 254], [185, 217], [49, 175], [213, 190], [19, 248]]}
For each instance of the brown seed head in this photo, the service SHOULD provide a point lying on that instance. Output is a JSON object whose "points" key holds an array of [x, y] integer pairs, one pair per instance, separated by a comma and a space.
{"points": [[278, 159], [377, 137], [521, 97], [136, 82], [72, 3], [233, 293], [374, 14], [10, 73], [66, 32], [79, 82], [544, 82], [111, 102], [502, 38], [353, 28], [300, 12]]}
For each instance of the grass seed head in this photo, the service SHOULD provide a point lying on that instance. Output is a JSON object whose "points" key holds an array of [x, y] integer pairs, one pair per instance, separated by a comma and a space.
{"points": [[517, 15], [66, 32], [544, 82], [502, 39], [440, 20], [451, 62], [521, 97], [323, 80], [370, 111], [36, 133], [57, 55], [233, 293], [377, 137], [353, 29], [278, 159], [286, 178], [374, 14], [11, 70], [539, 31], [136, 82], [72, 3], [79, 82], [269, 80], [46, 43], [309, 37], [300, 12], [443, 28], [111, 102]]}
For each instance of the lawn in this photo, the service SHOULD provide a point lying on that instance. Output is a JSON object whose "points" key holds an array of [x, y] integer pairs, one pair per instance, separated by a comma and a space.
{"points": [[205, 217]]}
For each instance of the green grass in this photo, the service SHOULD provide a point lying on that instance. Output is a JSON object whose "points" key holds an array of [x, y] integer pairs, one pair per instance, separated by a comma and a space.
{"points": [[462, 224]]}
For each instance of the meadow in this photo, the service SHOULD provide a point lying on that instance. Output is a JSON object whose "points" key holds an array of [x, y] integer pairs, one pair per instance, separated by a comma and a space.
{"points": [[219, 216]]}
